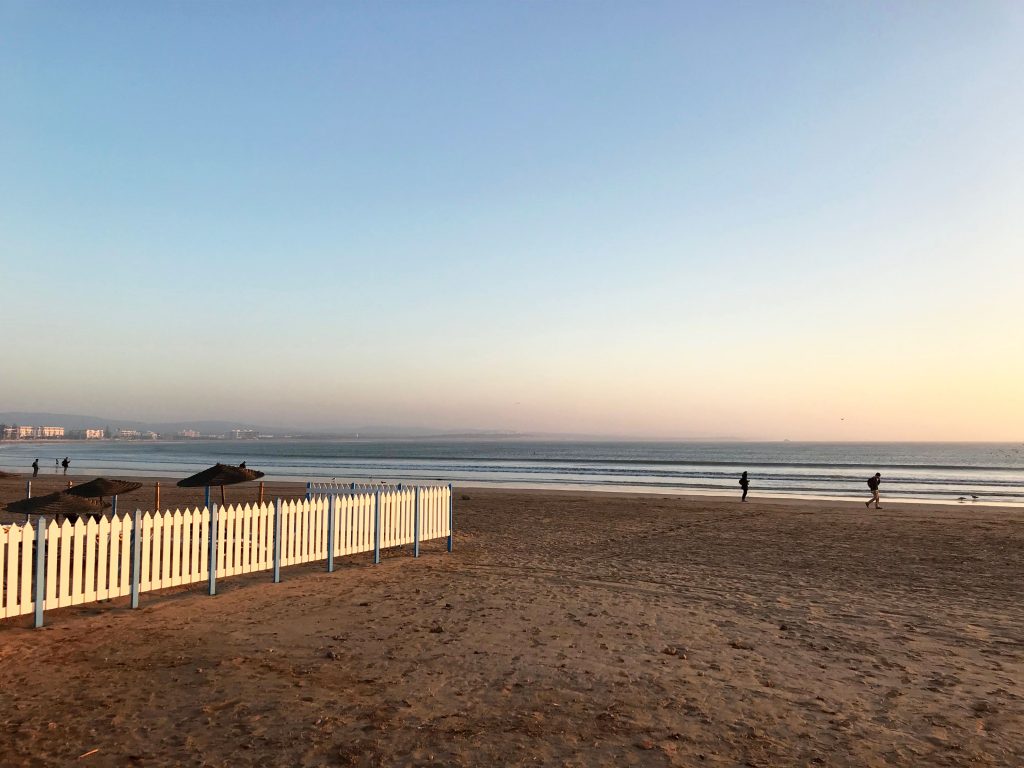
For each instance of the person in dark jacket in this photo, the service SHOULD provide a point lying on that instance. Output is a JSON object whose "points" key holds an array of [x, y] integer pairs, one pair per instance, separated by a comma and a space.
{"points": [[66, 463], [35, 468], [873, 483], [745, 485]]}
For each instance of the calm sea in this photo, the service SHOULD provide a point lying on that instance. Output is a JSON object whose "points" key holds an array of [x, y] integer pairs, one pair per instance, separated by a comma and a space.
{"points": [[994, 472]]}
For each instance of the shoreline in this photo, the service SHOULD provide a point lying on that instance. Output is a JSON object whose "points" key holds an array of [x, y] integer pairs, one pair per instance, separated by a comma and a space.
{"points": [[12, 488], [924, 473]]}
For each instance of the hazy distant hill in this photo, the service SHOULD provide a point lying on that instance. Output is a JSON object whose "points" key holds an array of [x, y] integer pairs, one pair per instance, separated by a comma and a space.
{"points": [[215, 427], [78, 421]]}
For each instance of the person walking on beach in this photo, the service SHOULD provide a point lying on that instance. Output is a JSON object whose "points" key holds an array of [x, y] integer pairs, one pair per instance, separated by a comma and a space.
{"points": [[745, 485], [66, 463], [35, 468], [873, 483]]}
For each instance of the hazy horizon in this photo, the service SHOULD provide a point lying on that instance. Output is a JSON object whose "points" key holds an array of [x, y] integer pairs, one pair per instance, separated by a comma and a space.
{"points": [[666, 220]]}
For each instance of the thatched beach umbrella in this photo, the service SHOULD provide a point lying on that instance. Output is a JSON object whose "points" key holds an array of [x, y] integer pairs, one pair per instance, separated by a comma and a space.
{"points": [[58, 504], [101, 486], [219, 474]]}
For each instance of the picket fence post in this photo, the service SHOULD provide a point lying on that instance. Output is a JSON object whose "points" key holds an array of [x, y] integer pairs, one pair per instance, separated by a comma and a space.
{"points": [[416, 525], [136, 556], [376, 528], [277, 541], [40, 570], [451, 517], [332, 506], [213, 549]]}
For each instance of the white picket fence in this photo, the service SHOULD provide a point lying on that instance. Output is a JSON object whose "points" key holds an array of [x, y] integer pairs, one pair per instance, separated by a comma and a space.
{"points": [[102, 559]]}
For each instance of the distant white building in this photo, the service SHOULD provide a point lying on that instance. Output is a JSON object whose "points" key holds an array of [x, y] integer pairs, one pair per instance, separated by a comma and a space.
{"points": [[10, 433], [190, 433], [127, 434], [94, 434], [27, 433], [244, 434], [51, 432]]}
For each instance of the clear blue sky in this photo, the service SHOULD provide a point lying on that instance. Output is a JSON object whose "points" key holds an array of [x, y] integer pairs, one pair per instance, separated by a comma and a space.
{"points": [[754, 219]]}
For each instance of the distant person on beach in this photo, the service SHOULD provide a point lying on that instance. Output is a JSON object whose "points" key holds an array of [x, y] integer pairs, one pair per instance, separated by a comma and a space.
{"points": [[873, 483], [66, 463], [745, 485], [242, 465], [35, 468]]}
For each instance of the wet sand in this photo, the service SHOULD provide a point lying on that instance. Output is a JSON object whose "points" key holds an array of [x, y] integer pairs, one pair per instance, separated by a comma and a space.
{"points": [[565, 629]]}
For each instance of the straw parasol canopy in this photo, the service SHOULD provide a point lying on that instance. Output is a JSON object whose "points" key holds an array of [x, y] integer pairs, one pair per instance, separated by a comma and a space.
{"points": [[101, 486], [56, 504], [220, 474]]}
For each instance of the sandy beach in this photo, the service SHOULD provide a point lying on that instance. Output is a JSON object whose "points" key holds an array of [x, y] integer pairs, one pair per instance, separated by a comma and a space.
{"points": [[565, 629]]}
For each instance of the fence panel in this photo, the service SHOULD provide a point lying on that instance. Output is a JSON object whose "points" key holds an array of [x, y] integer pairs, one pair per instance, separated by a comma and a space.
{"points": [[16, 547]]}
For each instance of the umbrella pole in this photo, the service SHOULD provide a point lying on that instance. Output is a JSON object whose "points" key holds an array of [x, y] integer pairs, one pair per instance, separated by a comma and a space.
{"points": [[156, 506], [207, 504], [261, 492], [222, 502]]}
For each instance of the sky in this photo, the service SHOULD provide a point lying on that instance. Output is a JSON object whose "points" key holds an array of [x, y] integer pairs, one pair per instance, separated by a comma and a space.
{"points": [[654, 219]]}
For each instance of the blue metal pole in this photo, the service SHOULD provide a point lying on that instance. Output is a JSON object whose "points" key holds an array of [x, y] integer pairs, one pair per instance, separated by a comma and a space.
{"points": [[416, 526], [451, 517], [277, 541], [309, 491], [113, 505], [206, 501], [332, 507], [136, 556], [213, 549], [40, 570], [376, 529]]}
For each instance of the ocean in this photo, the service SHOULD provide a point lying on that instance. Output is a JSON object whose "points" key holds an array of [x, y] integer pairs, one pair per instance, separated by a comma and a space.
{"points": [[992, 472]]}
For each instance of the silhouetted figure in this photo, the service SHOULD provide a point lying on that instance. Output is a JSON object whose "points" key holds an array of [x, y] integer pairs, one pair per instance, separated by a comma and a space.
{"points": [[242, 465], [35, 468], [745, 485], [66, 463], [873, 483]]}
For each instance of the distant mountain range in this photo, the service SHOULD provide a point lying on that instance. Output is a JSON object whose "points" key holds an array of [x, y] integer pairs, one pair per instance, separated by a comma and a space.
{"points": [[216, 427], [221, 427]]}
